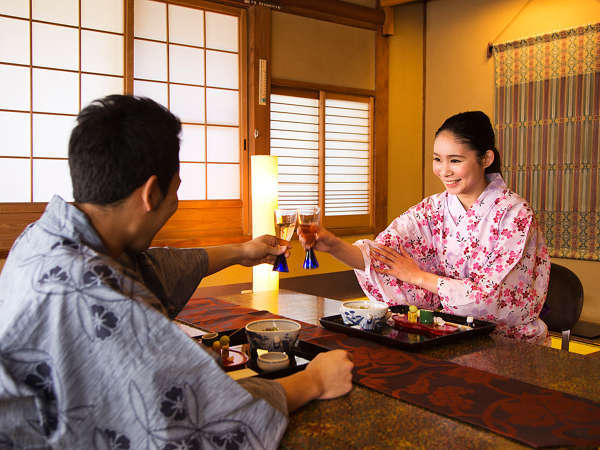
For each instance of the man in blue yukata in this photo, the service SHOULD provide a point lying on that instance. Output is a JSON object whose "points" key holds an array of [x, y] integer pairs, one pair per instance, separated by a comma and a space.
{"points": [[89, 357]]}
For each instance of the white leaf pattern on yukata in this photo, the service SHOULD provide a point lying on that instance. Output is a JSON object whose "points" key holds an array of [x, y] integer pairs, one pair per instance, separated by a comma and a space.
{"points": [[139, 324], [26, 355], [174, 433], [139, 407], [191, 404]]}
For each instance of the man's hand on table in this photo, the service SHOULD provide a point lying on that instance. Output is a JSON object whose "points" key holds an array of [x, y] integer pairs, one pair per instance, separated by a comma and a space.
{"points": [[332, 371], [329, 375], [263, 249]]}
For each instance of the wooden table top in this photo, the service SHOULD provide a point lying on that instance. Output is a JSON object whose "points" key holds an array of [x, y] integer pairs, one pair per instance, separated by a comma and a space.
{"points": [[365, 418]]}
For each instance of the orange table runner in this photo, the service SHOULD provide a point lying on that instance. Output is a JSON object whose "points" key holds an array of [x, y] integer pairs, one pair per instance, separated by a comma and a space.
{"points": [[530, 414]]}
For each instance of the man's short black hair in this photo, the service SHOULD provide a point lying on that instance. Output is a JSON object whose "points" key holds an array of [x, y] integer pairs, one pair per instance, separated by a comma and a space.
{"points": [[118, 143]]}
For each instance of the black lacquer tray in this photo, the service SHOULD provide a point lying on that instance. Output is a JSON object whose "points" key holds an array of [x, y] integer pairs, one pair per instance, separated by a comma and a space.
{"points": [[410, 340], [299, 356]]}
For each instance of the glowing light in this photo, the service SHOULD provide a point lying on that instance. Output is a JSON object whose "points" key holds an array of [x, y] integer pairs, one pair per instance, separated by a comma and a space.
{"points": [[264, 202]]}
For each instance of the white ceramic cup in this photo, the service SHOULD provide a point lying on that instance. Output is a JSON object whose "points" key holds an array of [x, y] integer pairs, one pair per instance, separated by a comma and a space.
{"points": [[363, 313], [271, 361]]}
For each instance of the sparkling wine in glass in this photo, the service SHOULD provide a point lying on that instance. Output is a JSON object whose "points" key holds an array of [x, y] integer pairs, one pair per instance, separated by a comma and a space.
{"points": [[285, 223], [308, 220]]}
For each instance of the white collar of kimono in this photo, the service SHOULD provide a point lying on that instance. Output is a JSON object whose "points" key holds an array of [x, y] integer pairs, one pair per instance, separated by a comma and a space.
{"points": [[484, 201]]}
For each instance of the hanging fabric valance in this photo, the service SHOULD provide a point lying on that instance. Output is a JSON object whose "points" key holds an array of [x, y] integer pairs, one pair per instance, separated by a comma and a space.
{"points": [[547, 119]]}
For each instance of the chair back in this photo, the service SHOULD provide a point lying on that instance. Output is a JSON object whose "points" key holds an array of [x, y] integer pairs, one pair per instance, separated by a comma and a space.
{"points": [[564, 300]]}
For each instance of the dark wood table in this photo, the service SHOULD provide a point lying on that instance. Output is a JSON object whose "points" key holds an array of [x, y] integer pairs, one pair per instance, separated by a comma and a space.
{"points": [[368, 419]]}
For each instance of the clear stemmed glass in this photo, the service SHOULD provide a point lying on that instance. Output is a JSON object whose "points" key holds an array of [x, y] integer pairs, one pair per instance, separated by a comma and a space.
{"points": [[285, 223], [308, 220]]}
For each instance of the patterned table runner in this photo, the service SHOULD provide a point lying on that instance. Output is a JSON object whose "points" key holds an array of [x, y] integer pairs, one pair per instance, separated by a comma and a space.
{"points": [[530, 414]]}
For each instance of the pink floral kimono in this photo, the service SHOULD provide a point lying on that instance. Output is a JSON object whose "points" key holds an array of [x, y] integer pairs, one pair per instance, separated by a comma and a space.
{"points": [[492, 260]]}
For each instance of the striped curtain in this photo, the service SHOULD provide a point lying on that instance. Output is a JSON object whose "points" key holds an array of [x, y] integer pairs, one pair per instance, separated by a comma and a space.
{"points": [[547, 110]]}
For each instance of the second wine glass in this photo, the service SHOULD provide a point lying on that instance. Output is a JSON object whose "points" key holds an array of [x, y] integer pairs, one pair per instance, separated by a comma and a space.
{"points": [[308, 220]]}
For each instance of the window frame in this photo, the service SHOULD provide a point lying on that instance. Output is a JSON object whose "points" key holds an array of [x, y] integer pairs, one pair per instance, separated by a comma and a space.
{"points": [[342, 224], [191, 226]]}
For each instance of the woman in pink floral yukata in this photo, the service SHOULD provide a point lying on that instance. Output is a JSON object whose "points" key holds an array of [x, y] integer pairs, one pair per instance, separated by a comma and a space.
{"points": [[474, 249]]}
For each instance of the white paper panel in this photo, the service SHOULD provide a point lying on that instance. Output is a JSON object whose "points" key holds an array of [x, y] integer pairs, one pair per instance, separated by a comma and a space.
{"points": [[155, 91], [51, 176], [347, 137], [193, 184], [15, 132], [222, 107], [15, 180], [187, 103], [222, 69], [335, 128], [97, 86], [57, 11], [14, 41], [150, 20], [55, 46], [150, 60], [55, 91], [294, 144], [221, 31], [346, 112], [301, 118], [223, 144], [341, 145], [192, 147], [295, 126], [346, 153], [186, 65], [102, 15], [51, 135], [354, 187], [287, 99], [294, 152], [281, 134], [287, 160], [186, 25], [297, 169], [101, 53], [18, 8], [294, 178], [351, 178], [347, 104], [223, 181], [347, 121], [14, 89], [285, 108]]}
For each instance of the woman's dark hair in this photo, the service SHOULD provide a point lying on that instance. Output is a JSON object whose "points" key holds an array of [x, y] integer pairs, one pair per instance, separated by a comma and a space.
{"points": [[474, 129], [118, 143]]}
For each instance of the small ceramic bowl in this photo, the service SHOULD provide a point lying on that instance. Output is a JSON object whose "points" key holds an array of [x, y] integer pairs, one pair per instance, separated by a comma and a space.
{"points": [[209, 338], [365, 314], [273, 335], [271, 361]]}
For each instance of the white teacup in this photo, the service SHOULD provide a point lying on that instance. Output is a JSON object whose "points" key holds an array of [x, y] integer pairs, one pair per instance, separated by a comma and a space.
{"points": [[365, 314]]}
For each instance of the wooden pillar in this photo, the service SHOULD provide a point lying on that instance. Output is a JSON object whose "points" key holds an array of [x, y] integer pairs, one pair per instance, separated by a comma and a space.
{"points": [[259, 18], [381, 130]]}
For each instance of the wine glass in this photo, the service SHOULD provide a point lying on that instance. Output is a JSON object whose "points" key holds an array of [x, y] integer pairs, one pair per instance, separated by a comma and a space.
{"points": [[308, 220], [285, 223]]}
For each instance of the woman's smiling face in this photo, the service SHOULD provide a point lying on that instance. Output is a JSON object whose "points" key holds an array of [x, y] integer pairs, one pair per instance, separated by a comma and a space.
{"points": [[460, 168]]}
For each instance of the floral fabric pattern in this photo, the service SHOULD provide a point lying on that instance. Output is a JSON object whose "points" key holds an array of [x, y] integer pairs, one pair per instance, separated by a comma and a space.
{"points": [[89, 358], [492, 260]]}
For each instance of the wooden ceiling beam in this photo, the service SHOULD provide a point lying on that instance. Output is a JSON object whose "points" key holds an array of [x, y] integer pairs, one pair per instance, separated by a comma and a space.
{"points": [[335, 11], [384, 3]]}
